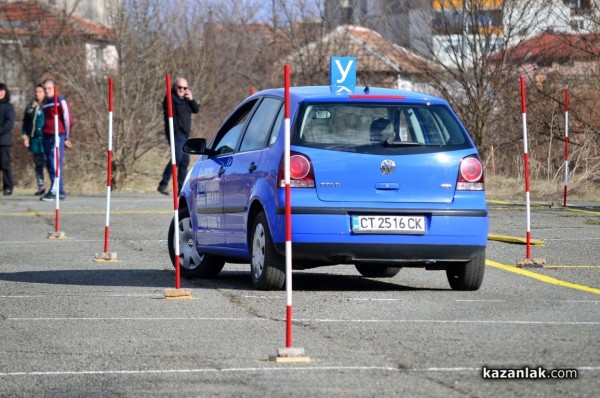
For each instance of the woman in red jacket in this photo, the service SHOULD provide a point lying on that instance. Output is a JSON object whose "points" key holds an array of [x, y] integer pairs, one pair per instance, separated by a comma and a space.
{"points": [[64, 128]]}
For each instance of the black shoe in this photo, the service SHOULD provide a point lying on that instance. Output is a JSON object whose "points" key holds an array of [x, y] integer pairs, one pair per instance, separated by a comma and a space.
{"points": [[49, 197], [62, 196], [40, 191], [7, 192], [162, 189]]}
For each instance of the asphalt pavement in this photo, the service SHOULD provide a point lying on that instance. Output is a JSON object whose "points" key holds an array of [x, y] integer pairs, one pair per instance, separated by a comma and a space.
{"points": [[70, 326]]}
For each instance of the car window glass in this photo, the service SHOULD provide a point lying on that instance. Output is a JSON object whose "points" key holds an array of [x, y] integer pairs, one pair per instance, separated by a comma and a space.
{"points": [[231, 131], [260, 125], [276, 127], [355, 127]]}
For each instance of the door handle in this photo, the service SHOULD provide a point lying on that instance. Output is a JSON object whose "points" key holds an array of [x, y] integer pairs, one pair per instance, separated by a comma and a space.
{"points": [[221, 171], [252, 167]]}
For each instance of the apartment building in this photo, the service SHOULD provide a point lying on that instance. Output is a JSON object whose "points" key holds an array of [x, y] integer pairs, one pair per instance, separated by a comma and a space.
{"points": [[442, 29]]}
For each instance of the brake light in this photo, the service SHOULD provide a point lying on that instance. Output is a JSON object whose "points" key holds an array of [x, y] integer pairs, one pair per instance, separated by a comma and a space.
{"points": [[377, 97], [301, 172], [470, 175]]}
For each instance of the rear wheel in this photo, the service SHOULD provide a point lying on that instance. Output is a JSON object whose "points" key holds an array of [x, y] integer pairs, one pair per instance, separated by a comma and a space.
{"points": [[467, 276], [192, 264], [377, 271], [267, 266]]}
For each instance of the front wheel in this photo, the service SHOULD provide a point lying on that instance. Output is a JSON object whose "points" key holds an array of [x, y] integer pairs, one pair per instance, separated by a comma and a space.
{"points": [[467, 276], [377, 271], [192, 264], [267, 266]]}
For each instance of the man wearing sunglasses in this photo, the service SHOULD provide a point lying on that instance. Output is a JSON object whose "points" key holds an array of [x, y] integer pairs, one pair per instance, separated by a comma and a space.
{"points": [[184, 105]]}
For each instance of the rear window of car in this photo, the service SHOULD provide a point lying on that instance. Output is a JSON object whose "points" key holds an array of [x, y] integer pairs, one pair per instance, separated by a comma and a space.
{"points": [[373, 128]]}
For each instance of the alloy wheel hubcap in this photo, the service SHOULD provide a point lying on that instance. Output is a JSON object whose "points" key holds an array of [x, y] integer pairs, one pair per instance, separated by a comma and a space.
{"points": [[258, 251]]}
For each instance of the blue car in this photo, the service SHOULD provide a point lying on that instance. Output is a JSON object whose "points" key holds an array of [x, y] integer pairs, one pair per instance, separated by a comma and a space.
{"points": [[381, 179]]}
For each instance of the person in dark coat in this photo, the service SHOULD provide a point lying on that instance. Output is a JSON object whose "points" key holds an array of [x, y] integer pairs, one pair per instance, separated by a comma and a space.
{"points": [[33, 138], [184, 105], [7, 122]]}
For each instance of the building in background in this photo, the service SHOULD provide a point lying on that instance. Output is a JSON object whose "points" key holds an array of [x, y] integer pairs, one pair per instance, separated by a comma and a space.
{"points": [[440, 29], [96, 11], [382, 63], [36, 38], [406, 23], [461, 26]]}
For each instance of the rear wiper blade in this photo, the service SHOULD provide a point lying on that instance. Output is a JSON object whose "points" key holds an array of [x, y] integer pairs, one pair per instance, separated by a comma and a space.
{"points": [[389, 143]]}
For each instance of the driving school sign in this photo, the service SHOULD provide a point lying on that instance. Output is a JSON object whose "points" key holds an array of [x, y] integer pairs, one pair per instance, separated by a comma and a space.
{"points": [[342, 74]]}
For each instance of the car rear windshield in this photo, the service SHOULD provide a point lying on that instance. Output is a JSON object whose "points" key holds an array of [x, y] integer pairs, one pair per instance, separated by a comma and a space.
{"points": [[374, 128]]}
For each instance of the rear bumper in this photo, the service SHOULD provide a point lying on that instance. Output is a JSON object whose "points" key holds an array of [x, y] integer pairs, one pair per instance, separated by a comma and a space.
{"points": [[451, 236], [398, 255]]}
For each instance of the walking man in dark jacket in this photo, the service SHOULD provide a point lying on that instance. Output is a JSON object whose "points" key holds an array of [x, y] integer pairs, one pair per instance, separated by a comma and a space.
{"points": [[7, 122], [183, 106]]}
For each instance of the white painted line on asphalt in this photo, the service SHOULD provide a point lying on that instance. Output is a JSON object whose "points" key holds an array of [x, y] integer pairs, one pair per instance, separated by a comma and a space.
{"points": [[144, 295], [482, 301], [579, 301], [255, 370], [35, 242], [376, 299], [451, 321], [22, 319], [570, 239], [309, 320]]}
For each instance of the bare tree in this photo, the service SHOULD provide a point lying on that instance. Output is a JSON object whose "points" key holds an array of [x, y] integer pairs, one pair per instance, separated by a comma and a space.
{"points": [[570, 59], [469, 42]]}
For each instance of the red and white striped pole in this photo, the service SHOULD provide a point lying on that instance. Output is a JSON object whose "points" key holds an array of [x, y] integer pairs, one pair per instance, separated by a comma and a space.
{"points": [[288, 208], [56, 163], [566, 145], [526, 164], [175, 189], [289, 353], [109, 165], [106, 256]]}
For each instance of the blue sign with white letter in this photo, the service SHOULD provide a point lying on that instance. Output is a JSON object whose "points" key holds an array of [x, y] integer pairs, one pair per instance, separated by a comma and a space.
{"points": [[342, 74]]}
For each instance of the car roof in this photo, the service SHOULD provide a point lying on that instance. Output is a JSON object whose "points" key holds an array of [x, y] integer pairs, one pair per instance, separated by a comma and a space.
{"points": [[326, 94]]}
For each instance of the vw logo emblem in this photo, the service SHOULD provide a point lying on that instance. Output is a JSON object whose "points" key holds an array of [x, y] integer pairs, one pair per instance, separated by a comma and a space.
{"points": [[387, 166]]}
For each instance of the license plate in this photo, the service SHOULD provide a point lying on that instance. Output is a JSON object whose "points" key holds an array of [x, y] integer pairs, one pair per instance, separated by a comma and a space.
{"points": [[388, 224]]}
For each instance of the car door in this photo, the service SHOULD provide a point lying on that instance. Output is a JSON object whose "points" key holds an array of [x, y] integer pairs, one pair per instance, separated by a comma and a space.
{"points": [[210, 219], [240, 176]]}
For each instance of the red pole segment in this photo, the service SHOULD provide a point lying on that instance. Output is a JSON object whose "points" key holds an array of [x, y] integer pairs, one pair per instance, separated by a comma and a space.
{"points": [[174, 176], [566, 146], [526, 165], [109, 165], [56, 163], [288, 208]]}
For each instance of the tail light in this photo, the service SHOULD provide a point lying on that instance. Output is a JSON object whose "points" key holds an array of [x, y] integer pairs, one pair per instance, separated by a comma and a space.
{"points": [[470, 175], [301, 172]]}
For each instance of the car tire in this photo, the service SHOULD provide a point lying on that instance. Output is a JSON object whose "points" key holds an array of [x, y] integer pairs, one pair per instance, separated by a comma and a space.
{"points": [[267, 267], [467, 276], [191, 263], [377, 271]]}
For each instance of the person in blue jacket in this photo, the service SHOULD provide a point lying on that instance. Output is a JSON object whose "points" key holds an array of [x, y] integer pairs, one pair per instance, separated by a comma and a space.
{"points": [[33, 138], [7, 122]]}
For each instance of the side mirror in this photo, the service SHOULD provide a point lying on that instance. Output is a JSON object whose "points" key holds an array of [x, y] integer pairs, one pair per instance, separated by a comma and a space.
{"points": [[195, 146]]}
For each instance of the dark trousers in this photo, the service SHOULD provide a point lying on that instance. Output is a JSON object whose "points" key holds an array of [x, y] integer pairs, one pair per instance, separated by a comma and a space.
{"points": [[6, 168], [49, 149], [39, 160], [182, 159]]}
